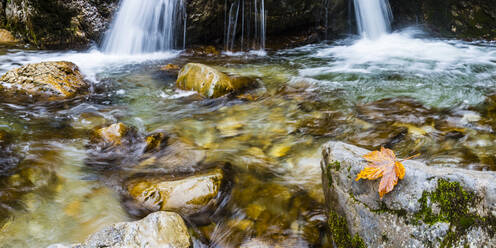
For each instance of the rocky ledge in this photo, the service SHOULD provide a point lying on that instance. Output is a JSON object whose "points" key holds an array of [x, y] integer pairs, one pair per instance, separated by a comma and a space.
{"points": [[431, 207]]}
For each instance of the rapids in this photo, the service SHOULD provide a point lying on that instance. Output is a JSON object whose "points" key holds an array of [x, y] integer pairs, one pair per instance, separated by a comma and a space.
{"points": [[403, 90]]}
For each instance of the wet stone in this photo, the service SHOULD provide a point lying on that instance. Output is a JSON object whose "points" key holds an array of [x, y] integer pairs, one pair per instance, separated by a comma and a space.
{"points": [[210, 82], [188, 196], [46, 80]]}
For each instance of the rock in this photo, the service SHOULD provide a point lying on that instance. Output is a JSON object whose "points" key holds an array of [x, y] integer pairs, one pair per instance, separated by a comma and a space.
{"points": [[58, 24], [160, 229], [203, 51], [209, 82], [6, 37], [170, 68], [431, 207], [113, 134], [186, 196], [156, 141], [51, 80]]}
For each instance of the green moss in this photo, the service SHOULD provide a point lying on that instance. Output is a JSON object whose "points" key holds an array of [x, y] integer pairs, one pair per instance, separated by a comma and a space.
{"points": [[340, 234], [453, 203]]}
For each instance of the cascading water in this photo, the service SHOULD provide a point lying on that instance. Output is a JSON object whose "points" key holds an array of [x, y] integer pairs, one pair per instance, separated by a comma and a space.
{"points": [[246, 20], [146, 27], [373, 17]]}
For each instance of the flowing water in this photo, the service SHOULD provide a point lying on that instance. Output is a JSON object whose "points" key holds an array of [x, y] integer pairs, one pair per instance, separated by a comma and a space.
{"points": [[245, 25], [373, 17], [402, 90], [146, 27]]}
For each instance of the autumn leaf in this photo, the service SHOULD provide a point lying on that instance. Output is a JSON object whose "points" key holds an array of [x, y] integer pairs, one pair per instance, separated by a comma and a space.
{"points": [[383, 164]]}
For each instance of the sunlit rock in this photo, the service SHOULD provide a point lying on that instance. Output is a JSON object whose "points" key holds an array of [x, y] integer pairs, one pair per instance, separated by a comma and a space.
{"points": [[112, 134], [6, 37], [50, 80], [210, 82], [187, 196], [160, 229]]}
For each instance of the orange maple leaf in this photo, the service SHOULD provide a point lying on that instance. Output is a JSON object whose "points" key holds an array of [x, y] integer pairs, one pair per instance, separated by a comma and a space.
{"points": [[383, 164]]}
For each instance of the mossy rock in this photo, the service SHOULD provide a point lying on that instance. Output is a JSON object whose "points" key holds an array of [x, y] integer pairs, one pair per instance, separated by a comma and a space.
{"points": [[431, 207], [210, 82], [188, 196], [46, 80]]}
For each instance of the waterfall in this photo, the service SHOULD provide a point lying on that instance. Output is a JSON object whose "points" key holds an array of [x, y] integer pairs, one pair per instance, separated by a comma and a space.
{"points": [[373, 17], [245, 22], [147, 26]]}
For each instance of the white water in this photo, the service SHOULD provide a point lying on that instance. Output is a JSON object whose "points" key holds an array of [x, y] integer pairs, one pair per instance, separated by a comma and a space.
{"points": [[245, 23], [146, 26], [373, 17]]}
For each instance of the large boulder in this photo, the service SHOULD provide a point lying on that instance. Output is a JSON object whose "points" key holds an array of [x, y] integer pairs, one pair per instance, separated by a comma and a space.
{"points": [[49, 80], [188, 196], [210, 82], [431, 207], [160, 229]]}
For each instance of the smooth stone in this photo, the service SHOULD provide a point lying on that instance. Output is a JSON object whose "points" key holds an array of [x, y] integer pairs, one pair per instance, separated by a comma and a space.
{"points": [[160, 229], [186, 196], [51, 80], [210, 82]]}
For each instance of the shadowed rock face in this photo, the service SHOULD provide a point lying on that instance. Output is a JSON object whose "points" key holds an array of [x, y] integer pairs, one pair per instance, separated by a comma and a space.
{"points": [[470, 19], [76, 23], [431, 207], [55, 24], [50, 80]]}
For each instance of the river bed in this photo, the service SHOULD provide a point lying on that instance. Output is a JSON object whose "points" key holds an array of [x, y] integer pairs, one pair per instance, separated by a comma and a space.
{"points": [[404, 91]]}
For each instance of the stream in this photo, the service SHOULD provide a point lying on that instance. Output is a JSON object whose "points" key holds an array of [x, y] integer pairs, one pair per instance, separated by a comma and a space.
{"points": [[405, 91]]}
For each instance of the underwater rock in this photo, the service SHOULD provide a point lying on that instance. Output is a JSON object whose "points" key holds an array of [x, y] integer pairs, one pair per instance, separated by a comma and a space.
{"points": [[6, 37], [160, 229], [431, 207], [50, 80], [187, 196], [210, 82]]}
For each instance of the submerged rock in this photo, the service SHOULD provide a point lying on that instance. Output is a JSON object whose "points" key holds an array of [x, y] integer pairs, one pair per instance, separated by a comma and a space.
{"points": [[51, 80], [431, 207], [160, 229], [210, 82], [187, 196]]}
